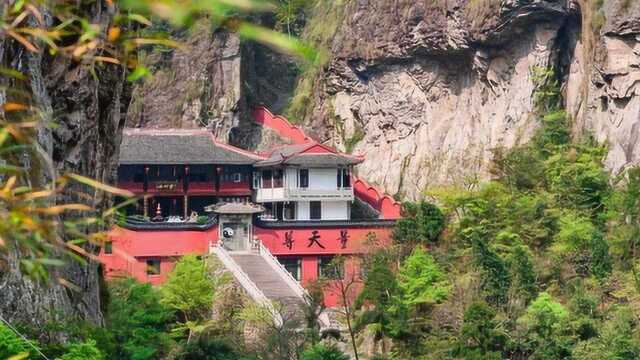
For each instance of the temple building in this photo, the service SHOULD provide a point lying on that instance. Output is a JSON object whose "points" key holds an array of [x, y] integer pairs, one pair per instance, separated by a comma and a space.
{"points": [[285, 213]]}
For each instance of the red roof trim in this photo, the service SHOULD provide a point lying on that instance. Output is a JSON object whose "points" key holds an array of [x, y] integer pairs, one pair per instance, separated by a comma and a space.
{"points": [[236, 149]]}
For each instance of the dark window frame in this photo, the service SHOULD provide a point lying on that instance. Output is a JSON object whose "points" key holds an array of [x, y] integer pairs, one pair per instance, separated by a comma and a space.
{"points": [[153, 267], [323, 263], [289, 260], [108, 247], [303, 178], [315, 213]]}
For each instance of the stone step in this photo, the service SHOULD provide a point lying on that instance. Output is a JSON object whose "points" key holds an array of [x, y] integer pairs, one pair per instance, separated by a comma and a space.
{"points": [[269, 282]]}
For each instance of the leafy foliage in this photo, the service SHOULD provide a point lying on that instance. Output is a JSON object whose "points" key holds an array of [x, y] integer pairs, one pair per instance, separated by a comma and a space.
{"points": [[421, 280], [83, 351], [383, 295], [480, 337], [11, 344], [209, 349], [138, 321], [189, 289], [421, 223], [323, 352]]}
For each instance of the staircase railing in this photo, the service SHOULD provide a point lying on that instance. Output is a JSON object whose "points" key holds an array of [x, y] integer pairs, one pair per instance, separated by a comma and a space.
{"points": [[247, 284], [282, 271], [291, 281]]}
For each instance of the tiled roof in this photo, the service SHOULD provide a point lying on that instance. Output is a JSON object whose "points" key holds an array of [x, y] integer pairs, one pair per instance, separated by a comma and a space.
{"points": [[179, 146], [295, 155]]}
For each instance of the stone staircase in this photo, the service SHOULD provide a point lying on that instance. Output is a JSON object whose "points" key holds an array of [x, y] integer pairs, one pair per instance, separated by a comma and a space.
{"points": [[267, 282], [271, 283]]}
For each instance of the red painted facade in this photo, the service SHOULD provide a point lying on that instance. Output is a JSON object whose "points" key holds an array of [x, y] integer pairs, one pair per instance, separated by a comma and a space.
{"points": [[131, 249], [141, 253]]}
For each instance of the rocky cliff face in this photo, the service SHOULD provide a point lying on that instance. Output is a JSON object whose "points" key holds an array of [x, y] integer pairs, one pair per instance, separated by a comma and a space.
{"points": [[88, 111], [425, 89], [602, 83]]}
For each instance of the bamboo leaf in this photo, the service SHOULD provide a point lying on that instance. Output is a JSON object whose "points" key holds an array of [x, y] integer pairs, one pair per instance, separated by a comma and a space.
{"points": [[20, 356], [68, 284], [58, 209], [22, 40], [98, 185], [37, 194], [12, 73], [138, 73], [11, 106], [141, 19], [107, 59], [50, 262]]}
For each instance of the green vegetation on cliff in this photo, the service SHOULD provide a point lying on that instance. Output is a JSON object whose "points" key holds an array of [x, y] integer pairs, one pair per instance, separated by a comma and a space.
{"points": [[539, 263]]}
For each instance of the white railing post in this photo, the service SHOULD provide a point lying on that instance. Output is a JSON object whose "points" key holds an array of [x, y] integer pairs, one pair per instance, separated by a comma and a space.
{"points": [[247, 284], [282, 271], [290, 280]]}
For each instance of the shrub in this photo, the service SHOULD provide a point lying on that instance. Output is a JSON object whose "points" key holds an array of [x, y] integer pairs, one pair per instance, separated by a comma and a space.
{"points": [[323, 352], [138, 321], [422, 280], [479, 335], [208, 349], [11, 344], [421, 223], [83, 351]]}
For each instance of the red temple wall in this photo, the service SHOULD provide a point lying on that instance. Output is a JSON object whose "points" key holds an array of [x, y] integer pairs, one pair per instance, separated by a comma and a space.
{"points": [[330, 238], [131, 249]]}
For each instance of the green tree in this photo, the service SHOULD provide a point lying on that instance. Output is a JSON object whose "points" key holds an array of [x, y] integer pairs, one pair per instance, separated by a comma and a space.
{"points": [[546, 329], [618, 339], [523, 275], [11, 344], [138, 321], [479, 335], [209, 349], [495, 274], [580, 240], [382, 292], [83, 351], [421, 223], [422, 281], [323, 352], [189, 290]]}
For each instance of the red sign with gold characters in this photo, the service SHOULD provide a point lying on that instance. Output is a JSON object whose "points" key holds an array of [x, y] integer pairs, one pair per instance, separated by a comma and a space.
{"points": [[166, 186]]}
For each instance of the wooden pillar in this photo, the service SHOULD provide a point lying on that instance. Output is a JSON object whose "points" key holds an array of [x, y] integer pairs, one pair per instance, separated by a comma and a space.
{"points": [[186, 205], [185, 180], [145, 206], [145, 184]]}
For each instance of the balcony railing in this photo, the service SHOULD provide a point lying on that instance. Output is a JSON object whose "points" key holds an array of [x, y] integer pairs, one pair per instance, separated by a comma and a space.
{"points": [[320, 194], [309, 194]]}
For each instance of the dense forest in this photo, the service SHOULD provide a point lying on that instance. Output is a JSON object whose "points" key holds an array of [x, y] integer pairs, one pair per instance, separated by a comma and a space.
{"points": [[536, 259]]}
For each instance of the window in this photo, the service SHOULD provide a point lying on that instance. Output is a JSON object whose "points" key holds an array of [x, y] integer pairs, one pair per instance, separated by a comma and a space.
{"points": [[268, 211], [256, 180], [237, 177], [293, 266], [153, 267], [329, 269], [315, 210], [344, 179], [266, 179], [290, 210], [108, 247], [303, 178], [277, 178]]}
